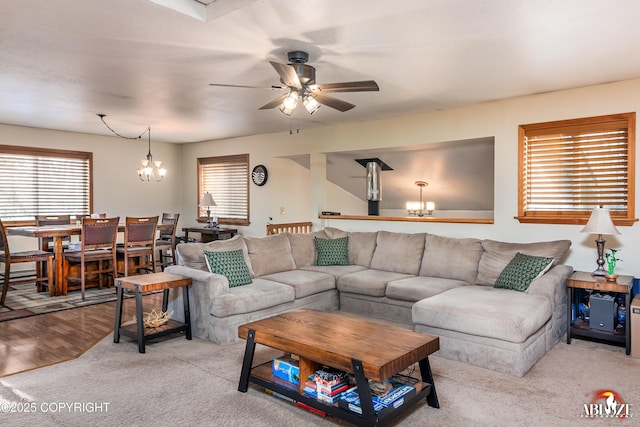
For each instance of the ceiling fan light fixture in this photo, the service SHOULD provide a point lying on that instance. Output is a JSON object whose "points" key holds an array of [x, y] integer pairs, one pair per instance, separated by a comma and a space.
{"points": [[290, 102], [310, 104]]}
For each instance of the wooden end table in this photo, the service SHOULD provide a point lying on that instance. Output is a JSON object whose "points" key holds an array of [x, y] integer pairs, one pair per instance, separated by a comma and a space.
{"points": [[366, 349], [149, 283], [582, 280]]}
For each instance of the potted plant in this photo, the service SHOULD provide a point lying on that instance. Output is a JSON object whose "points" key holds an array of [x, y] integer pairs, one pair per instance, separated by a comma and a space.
{"points": [[611, 264]]}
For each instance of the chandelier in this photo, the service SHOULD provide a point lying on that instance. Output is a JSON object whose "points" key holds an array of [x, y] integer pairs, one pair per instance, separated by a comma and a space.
{"points": [[150, 168]]}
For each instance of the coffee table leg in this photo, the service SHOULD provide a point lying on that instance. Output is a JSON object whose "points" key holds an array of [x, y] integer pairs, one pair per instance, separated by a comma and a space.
{"points": [[364, 393], [249, 349], [427, 377]]}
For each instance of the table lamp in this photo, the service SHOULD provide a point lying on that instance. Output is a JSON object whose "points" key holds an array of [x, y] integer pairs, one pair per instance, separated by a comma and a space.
{"points": [[600, 223], [207, 200]]}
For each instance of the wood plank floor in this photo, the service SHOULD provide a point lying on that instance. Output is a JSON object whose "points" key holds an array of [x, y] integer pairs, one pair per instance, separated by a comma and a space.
{"points": [[43, 340]]}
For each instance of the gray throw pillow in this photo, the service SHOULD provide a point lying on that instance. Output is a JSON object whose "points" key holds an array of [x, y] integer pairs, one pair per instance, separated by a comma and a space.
{"points": [[521, 271], [229, 264], [332, 251]]}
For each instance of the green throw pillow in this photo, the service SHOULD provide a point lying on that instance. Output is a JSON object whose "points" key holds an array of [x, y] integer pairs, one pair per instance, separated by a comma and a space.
{"points": [[521, 271], [332, 251], [230, 264]]}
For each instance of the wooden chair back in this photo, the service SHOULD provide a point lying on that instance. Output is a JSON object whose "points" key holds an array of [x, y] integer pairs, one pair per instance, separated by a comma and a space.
{"points": [[292, 227], [52, 220], [4, 243], [140, 231], [169, 233], [99, 233]]}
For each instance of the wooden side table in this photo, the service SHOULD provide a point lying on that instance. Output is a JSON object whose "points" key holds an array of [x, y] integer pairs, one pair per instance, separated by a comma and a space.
{"points": [[582, 280], [149, 283]]}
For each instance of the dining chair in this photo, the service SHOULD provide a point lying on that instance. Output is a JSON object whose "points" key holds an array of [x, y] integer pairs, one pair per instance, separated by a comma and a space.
{"points": [[39, 257], [166, 242], [52, 220], [97, 247], [140, 243]]}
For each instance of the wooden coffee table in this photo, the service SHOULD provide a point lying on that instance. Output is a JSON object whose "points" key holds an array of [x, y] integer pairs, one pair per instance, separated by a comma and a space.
{"points": [[366, 349]]}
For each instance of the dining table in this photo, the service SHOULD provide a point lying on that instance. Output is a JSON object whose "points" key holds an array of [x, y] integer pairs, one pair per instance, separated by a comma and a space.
{"points": [[58, 233]]}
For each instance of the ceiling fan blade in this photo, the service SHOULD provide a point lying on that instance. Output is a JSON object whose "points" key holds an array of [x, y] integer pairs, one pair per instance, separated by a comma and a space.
{"points": [[273, 104], [333, 102], [287, 74], [273, 87], [361, 86]]}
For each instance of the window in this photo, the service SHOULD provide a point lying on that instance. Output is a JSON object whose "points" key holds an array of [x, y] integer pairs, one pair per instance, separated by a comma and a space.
{"points": [[566, 168], [39, 181], [227, 179]]}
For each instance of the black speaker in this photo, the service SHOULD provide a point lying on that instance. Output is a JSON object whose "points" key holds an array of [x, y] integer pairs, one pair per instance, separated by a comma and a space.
{"points": [[603, 312]]}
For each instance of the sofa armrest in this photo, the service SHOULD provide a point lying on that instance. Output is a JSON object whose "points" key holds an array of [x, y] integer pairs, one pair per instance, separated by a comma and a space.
{"points": [[205, 284], [552, 285]]}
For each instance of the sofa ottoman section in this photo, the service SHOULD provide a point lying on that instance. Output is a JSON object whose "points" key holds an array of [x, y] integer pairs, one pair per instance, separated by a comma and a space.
{"points": [[487, 317]]}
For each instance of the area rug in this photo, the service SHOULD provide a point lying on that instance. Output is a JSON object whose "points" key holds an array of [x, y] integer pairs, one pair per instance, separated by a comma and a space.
{"points": [[23, 301], [181, 382]]}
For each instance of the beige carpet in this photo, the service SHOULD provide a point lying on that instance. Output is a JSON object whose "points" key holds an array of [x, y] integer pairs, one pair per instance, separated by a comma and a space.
{"points": [[180, 382]]}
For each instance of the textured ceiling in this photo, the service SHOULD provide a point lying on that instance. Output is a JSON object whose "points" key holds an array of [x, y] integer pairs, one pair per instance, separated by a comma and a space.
{"points": [[144, 64]]}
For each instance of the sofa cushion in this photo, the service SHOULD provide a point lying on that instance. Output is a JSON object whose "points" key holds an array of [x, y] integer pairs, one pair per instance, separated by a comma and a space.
{"points": [[484, 311], [270, 254], [497, 255], [334, 270], [192, 254], [398, 252], [304, 282], [332, 251], [303, 248], [230, 264], [259, 295], [451, 258], [521, 271], [361, 244], [417, 288], [368, 282]]}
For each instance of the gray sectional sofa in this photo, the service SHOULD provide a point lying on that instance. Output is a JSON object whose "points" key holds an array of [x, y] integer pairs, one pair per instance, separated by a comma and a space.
{"points": [[442, 286]]}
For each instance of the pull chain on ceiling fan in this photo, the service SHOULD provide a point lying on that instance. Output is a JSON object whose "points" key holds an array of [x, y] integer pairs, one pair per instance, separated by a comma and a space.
{"points": [[300, 79]]}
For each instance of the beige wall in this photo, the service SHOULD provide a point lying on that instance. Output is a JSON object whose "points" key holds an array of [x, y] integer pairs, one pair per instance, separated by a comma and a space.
{"points": [[119, 192], [499, 119]]}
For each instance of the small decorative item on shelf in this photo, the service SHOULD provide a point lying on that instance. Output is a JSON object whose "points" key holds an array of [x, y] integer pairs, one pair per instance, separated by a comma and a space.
{"points": [[155, 319], [611, 265]]}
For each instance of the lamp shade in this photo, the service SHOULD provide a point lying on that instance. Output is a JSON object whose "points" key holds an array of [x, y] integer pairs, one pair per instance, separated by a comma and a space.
{"points": [[207, 200], [600, 222]]}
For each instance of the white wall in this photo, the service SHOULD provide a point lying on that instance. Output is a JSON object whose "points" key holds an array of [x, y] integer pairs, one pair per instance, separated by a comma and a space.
{"points": [[499, 119]]}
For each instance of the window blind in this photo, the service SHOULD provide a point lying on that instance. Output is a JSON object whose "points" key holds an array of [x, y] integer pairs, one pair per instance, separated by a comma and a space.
{"points": [[227, 179], [41, 182], [568, 169]]}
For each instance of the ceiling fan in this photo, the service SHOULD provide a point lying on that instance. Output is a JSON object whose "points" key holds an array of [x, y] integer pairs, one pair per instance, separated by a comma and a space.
{"points": [[300, 79]]}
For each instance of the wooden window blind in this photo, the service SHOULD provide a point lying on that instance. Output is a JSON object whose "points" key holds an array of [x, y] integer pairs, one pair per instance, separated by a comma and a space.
{"points": [[569, 167], [38, 181], [227, 179]]}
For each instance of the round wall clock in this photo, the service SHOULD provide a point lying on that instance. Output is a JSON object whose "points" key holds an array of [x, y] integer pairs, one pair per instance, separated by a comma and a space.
{"points": [[259, 175]]}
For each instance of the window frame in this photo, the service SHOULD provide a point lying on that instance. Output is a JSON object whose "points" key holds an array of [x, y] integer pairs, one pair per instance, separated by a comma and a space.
{"points": [[236, 158], [560, 216], [50, 152]]}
